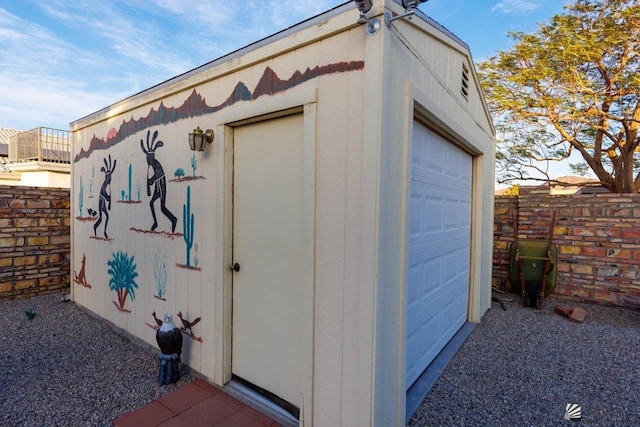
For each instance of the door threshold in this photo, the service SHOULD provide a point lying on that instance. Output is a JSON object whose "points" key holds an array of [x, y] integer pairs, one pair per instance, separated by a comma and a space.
{"points": [[250, 398]]}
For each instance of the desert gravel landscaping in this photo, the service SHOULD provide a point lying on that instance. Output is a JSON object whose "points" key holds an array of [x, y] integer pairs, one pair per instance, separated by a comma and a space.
{"points": [[519, 367]]}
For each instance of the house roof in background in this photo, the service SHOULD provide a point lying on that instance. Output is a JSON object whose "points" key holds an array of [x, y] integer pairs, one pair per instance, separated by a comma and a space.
{"points": [[569, 184], [5, 135]]}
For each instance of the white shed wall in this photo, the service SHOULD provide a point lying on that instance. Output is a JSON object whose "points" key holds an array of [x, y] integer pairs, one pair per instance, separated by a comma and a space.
{"points": [[363, 99], [337, 93], [422, 75]]}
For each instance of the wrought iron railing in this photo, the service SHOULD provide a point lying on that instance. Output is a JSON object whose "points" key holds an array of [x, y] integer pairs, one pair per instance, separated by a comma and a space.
{"points": [[41, 144]]}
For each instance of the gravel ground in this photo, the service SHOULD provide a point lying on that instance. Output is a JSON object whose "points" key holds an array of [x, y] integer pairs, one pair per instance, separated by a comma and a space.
{"points": [[67, 368], [521, 367]]}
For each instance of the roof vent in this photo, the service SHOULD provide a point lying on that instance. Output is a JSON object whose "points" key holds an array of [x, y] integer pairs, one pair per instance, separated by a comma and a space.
{"points": [[464, 90]]}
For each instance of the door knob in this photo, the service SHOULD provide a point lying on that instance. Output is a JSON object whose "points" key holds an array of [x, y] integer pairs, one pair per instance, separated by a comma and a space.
{"points": [[235, 267]]}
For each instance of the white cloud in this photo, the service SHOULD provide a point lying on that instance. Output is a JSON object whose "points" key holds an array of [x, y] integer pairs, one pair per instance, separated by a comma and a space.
{"points": [[516, 7], [74, 57], [41, 100]]}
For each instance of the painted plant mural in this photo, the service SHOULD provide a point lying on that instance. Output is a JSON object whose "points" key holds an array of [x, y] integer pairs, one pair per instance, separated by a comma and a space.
{"points": [[188, 221], [91, 213], [80, 199], [160, 273], [122, 270], [180, 175], [126, 196], [135, 175]]}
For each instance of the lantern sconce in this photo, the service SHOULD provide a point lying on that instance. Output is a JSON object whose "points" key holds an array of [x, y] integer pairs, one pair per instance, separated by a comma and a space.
{"points": [[198, 138], [410, 7]]}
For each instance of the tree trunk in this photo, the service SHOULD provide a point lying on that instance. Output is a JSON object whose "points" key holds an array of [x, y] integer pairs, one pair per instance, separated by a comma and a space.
{"points": [[632, 142], [627, 179]]}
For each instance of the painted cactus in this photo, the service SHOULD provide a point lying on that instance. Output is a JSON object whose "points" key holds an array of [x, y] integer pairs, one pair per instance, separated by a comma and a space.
{"points": [[93, 174], [160, 272], [80, 197], [130, 172], [187, 225], [194, 163]]}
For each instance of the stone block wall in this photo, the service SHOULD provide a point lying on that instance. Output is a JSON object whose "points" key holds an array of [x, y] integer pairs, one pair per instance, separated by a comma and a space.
{"points": [[35, 241], [598, 239], [505, 206]]}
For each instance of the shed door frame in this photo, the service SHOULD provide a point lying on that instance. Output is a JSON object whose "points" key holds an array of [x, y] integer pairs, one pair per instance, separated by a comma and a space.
{"points": [[429, 189], [431, 120], [302, 102], [419, 107]]}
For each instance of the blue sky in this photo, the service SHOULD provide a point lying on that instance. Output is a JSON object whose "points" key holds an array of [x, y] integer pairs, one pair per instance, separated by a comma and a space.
{"points": [[61, 60]]}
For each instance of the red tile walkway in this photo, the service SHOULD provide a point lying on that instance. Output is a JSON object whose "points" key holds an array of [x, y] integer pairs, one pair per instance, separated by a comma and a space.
{"points": [[196, 404]]}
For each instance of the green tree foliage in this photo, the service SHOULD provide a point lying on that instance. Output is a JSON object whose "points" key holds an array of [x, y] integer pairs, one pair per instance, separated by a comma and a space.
{"points": [[572, 86], [514, 190]]}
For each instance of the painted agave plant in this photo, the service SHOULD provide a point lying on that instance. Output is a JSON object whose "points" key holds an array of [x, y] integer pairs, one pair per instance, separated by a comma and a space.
{"points": [[123, 278]]}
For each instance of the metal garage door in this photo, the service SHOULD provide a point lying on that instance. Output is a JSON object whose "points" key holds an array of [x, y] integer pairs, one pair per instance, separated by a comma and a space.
{"points": [[439, 247]]}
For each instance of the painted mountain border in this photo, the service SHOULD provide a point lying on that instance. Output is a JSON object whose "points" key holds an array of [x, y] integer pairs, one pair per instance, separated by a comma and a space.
{"points": [[195, 105]]}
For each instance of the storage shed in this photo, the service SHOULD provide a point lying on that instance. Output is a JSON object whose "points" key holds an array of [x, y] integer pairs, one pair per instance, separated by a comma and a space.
{"points": [[328, 244]]}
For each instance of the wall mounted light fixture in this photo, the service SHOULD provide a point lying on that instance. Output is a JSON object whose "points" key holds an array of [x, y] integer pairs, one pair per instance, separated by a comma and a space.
{"points": [[364, 6], [410, 7], [198, 138]]}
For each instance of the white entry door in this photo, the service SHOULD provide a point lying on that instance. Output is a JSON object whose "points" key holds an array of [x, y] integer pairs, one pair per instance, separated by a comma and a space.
{"points": [[267, 246], [439, 247]]}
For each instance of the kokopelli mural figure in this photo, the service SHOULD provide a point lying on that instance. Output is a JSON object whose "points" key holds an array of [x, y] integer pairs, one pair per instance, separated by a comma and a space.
{"points": [[104, 205], [157, 181]]}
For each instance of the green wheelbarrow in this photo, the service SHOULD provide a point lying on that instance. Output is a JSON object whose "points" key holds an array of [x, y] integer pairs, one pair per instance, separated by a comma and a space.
{"points": [[533, 265]]}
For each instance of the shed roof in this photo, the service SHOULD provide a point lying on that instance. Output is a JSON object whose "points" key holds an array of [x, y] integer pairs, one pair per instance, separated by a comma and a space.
{"points": [[314, 20]]}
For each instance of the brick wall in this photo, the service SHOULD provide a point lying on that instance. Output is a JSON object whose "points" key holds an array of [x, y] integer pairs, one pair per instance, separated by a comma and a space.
{"points": [[505, 206], [598, 239], [34, 241]]}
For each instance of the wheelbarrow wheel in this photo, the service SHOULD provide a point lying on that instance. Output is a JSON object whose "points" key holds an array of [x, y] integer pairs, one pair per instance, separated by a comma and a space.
{"points": [[533, 291]]}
